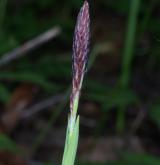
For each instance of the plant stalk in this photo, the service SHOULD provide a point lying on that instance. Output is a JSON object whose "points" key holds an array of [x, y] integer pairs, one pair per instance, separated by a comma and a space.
{"points": [[128, 57]]}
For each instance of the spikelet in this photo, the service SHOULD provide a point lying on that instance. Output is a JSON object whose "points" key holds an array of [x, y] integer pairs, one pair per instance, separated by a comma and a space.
{"points": [[80, 50]]}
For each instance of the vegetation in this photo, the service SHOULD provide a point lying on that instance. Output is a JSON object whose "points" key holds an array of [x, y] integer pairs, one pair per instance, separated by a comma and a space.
{"points": [[119, 107]]}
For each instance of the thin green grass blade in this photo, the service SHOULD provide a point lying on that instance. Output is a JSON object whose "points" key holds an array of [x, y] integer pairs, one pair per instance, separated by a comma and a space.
{"points": [[71, 144]]}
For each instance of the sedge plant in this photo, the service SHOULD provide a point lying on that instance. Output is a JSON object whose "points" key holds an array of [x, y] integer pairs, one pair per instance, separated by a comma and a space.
{"points": [[79, 62]]}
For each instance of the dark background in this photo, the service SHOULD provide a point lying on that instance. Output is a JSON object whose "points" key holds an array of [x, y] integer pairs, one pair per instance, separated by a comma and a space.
{"points": [[120, 99]]}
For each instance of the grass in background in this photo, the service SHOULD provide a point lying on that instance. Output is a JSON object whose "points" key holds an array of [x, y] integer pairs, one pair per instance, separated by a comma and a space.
{"points": [[42, 74], [128, 57]]}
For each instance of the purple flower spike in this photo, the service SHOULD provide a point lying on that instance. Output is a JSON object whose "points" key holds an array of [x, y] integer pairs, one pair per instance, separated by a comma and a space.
{"points": [[80, 49]]}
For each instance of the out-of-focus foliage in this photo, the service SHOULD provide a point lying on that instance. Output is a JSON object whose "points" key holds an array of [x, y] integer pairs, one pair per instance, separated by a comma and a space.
{"points": [[155, 113], [7, 144], [129, 159], [49, 66]]}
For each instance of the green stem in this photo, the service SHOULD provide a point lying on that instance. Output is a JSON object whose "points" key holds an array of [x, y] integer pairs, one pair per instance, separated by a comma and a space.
{"points": [[120, 124], [71, 143], [128, 57], [129, 43]]}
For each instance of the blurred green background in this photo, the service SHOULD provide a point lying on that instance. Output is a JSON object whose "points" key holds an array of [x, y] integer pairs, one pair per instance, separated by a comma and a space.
{"points": [[120, 100]]}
